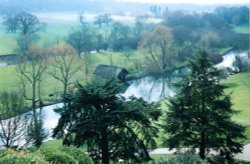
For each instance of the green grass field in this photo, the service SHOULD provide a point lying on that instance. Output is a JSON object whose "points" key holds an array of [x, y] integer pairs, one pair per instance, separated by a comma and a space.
{"points": [[54, 33], [10, 80], [242, 29], [238, 84], [239, 87]]}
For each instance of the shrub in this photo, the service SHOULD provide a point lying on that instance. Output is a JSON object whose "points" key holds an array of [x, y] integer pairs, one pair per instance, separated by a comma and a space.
{"points": [[59, 158], [77, 154], [14, 159], [185, 158], [10, 156], [67, 155], [56, 156]]}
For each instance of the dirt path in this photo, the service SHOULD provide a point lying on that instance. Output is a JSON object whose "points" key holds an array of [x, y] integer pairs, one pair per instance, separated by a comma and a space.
{"points": [[245, 155]]}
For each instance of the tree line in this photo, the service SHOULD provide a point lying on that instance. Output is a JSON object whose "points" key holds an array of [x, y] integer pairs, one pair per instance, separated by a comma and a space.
{"points": [[112, 127], [96, 115]]}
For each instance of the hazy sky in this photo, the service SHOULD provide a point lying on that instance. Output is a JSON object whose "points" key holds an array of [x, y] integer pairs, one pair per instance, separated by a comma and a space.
{"points": [[191, 1]]}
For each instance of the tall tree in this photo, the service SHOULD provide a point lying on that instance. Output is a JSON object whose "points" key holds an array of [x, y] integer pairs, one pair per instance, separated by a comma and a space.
{"points": [[200, 113], [121, 37], [64, 66], [100, 19], [25, 42], [31, 68], [109, 125], [160, 53], [13, 125], [24, 22], [81, 40]]}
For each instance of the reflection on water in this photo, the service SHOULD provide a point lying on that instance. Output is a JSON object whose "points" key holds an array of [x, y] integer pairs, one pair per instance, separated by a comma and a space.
{"points": [[230, 58], [50, 119], [150, 88]]}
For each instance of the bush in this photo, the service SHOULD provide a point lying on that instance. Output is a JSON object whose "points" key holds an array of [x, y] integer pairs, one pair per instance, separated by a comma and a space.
{"points": [[77, 154], [14, 159], [185, 158], [57, 158], [46, 154], [11, 156], [67, 155]]}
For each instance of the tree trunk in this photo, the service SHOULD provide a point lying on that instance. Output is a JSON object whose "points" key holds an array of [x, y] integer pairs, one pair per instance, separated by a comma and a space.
{"points": [[202, 145], [36, 128], [104, 145], [203, 123], [65, 88]]}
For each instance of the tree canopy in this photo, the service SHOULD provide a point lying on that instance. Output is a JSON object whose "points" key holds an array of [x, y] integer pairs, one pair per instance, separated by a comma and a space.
{"points": [[111, 126], [200, 113], [24, 22], [160, 52]]}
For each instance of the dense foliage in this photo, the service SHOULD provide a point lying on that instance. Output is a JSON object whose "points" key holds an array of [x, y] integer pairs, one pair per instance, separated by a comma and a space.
{"points": [[200, 113], [46, 154], [111, 127]]}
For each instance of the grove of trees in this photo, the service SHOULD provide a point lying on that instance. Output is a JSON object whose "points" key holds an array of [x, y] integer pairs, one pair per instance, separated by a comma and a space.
{"points": [[96, 115], [200, 114]]}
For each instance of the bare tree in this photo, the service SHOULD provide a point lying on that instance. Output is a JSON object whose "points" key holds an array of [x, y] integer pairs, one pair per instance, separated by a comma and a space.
{"points": [[65, 65], [160, 52], [13, 125], [31, 68]]}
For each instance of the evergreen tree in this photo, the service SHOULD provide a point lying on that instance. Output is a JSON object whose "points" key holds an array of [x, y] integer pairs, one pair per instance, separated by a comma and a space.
{"points": [[200, 113], [111, 126]]}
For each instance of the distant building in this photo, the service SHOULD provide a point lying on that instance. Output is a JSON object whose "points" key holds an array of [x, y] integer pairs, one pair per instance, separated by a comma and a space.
{"points": [[108, 71]]}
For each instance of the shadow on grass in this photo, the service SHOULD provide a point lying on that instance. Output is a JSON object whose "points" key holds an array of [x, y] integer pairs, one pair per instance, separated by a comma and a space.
{"points": [[231, 85]]}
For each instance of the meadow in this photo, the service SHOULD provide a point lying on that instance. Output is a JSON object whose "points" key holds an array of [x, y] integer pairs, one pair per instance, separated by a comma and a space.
{"points": [[57, 30], [244, 29]]}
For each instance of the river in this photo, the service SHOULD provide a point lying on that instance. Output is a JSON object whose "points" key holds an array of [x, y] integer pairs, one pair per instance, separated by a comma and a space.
{"points": [[150, 88]]}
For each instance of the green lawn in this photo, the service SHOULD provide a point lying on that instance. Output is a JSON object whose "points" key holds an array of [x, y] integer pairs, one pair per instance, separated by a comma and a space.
{"points": [[54, 32], [222, 51], [239, 87], [10, 81], [7, 41], [242, 29]]}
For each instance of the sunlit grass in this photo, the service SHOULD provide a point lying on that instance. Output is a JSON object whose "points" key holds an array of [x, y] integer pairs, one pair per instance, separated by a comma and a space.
{"points": [[242, 29], [54, 33], [7, 41], [222, 51], [10, 80], [239, 87]]}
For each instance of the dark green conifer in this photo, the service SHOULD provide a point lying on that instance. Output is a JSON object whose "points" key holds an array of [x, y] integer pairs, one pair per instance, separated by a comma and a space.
{"points": [[111, 126], [199, 115]]}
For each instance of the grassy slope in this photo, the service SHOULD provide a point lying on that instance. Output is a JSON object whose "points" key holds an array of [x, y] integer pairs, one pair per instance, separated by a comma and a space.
{"points": [[9, 77], [7, 41], [239, 83], [242, 29], [54, 32], [239, 87]]}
